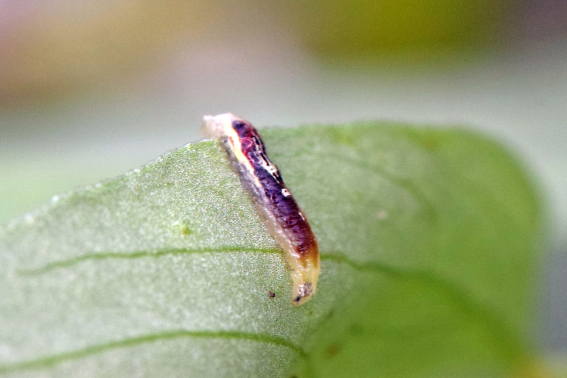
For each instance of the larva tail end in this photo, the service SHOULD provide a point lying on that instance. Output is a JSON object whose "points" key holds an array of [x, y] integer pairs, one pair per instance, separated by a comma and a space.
{"points": [[216, 126]]}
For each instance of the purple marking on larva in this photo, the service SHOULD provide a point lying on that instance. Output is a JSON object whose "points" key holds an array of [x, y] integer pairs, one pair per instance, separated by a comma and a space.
{"points": [[285, 208]]}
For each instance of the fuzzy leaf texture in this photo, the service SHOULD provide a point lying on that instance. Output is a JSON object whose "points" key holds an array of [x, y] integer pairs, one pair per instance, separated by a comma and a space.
{"points": [[429, 241]]}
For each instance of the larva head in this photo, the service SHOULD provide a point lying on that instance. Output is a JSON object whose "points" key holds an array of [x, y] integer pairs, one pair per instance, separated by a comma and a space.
{"points": [[305, 282]]}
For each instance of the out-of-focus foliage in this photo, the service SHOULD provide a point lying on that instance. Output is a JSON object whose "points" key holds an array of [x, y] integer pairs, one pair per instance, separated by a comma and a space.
{"points": [[414, 27], [59, 47], [428, 242], [55, 48]]}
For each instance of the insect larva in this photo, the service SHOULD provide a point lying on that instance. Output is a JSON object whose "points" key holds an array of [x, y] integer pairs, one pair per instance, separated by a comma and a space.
{"points": [[274, 202]]}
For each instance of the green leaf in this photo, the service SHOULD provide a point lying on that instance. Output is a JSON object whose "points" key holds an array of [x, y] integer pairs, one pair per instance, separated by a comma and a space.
{"points": [[428, 238]]}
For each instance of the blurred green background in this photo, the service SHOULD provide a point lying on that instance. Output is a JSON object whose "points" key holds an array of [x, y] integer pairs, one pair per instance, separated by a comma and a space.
{"points": [[89, 90]]}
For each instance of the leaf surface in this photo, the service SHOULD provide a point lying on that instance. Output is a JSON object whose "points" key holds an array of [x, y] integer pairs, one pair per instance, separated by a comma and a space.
{"points": [[428, 239]]}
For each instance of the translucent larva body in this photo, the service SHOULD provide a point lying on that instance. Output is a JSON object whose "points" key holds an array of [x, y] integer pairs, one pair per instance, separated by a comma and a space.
{"points": [[273, 200]]}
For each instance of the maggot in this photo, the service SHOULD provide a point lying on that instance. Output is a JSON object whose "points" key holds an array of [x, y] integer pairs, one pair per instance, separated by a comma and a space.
{"points": [[273, 200]]}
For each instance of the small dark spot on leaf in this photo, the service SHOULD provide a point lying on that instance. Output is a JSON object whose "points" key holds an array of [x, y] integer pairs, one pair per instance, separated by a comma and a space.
{"points": [[310, 313], [271, 294], [169, 184], [332, 350]]}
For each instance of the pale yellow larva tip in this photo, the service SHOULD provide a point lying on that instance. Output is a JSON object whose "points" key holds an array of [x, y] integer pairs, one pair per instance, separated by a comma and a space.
{"points": [[304, 282], [302, 294]]}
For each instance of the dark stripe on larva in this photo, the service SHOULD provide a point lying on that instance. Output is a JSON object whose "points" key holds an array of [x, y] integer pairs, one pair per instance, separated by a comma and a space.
{"points": [[284, 208]]}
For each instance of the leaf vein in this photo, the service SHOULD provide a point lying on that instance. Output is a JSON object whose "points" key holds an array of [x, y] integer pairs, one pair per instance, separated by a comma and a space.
{"points": [[49, 361], [28, 272]]}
